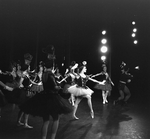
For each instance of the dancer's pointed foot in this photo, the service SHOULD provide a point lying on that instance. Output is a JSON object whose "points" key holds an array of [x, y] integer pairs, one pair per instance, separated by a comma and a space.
{"points": [[92, 115], [75, 117], [27, 126], [106, 101]]}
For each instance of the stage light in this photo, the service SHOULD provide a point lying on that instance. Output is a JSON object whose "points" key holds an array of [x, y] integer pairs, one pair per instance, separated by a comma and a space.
{"points": [[133, 34], [104, 49], [104, 32], [133, 22], [135, 42], [103, 58], [134, 30], [103, 41]]}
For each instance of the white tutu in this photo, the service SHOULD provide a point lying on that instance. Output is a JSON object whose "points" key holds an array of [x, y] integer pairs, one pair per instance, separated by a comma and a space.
{"points": [[80, 91]]}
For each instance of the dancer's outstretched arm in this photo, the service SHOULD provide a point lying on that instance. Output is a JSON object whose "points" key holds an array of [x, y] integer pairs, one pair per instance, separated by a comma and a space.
{"points": [[96, 81]]}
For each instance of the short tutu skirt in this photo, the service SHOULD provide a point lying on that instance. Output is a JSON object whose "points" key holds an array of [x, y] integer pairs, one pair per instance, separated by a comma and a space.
{"points": [[106, 87], [80, 91], [36, 88], [45, 104]]}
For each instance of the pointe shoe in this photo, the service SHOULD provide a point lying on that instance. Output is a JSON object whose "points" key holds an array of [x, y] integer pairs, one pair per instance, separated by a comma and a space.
{"points": [[92, 115], [75, 117], [103, 102], [106, 101], [28, 127]]}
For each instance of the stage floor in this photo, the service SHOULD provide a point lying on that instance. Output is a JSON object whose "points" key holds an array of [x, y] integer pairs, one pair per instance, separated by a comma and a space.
{"points": [[131, 121]]}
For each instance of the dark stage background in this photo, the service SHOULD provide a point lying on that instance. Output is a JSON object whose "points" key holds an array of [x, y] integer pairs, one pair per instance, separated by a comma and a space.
{"points": [[74, 28]]}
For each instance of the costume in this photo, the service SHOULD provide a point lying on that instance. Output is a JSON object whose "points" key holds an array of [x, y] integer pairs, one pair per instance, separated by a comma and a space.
{"points": [[38, 87], [107, 86], [80, 88], [48, 102], [124, 78]]}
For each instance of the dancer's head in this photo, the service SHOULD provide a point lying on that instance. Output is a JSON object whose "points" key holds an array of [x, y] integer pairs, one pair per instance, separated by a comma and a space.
{"points": [[82, 69]]}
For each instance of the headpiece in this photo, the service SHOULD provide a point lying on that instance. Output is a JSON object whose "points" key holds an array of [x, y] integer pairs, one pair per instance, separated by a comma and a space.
{"points": [[84, 63], [123, 66], [41, 63]]}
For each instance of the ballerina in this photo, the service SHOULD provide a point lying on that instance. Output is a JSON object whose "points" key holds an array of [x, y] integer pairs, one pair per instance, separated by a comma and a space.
{"points": [[80, 90]]}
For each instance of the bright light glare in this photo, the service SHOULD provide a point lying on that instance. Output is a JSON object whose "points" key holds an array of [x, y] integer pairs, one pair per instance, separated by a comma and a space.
{"points": [[104, 49], [135, 42], [134, 30], [103, 41], [133, 22], [133, 34], [103, 58], [104, 32]]}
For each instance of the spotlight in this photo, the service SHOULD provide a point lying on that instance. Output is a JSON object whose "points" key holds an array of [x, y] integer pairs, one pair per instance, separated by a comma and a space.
{"points": [[104, 49], [103, 41], [133, 35], [135, 42], [104, 32], [134, 30], [133, 22], [103, 58]]}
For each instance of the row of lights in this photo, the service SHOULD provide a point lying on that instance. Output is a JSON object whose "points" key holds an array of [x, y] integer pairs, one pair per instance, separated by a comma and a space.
{"points": [[104, 46], [134, 33]]}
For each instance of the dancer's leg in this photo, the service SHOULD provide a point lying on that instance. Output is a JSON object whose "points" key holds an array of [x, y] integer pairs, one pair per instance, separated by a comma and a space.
{"points": [[45, 127], [103, 96], [106, 95], [127, 92], [121, 95], [20, 115], [77, 101], [55, 125], [90, 105], [26, 121]]}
